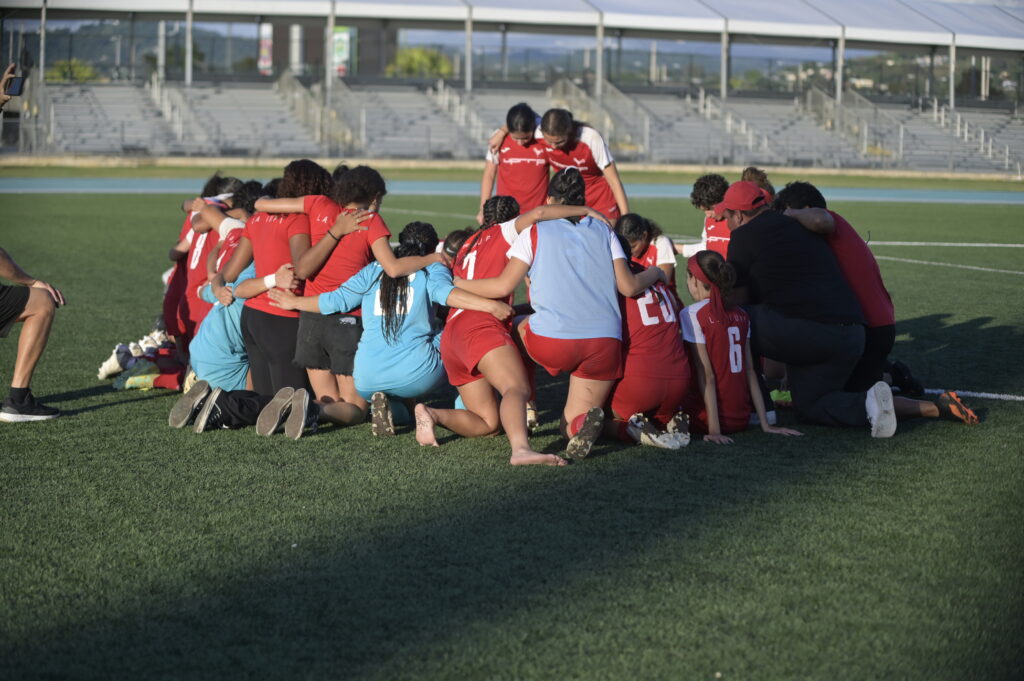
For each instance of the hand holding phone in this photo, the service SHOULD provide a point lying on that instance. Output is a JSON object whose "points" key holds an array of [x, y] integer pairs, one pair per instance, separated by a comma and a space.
{"points": [[10, 85], [14, 86]]}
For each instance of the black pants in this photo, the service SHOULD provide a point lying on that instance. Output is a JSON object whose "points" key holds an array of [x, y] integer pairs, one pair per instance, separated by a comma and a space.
{"points": [[878, 342], [240, 408], [819, 358], [270, 344]]}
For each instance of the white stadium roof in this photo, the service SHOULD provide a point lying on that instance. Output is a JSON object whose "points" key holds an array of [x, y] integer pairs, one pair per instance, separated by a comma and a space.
{"points": [[996, 25]]}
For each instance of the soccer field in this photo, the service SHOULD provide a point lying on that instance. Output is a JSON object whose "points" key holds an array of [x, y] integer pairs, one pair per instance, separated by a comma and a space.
{"points": [[131, 550]]}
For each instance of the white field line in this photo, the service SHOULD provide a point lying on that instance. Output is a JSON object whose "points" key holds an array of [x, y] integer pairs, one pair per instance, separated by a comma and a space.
{"points": [[946, 244], [984, 396], [948, 264]]}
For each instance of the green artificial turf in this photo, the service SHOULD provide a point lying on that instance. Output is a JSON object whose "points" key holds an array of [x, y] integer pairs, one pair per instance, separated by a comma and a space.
{"points": [[131, 550]]}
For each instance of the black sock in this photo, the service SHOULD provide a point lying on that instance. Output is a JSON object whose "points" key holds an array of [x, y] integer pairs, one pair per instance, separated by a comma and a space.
{"points": [[19, 395]]}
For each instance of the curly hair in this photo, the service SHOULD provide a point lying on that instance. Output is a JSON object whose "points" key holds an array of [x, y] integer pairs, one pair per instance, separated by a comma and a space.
{"points": [[567, 187], [499, 209], [418, 238], [245, 196], [270, 188], [360, 185], [708, 190], [721, 273], [304, 178], [636, 228]]}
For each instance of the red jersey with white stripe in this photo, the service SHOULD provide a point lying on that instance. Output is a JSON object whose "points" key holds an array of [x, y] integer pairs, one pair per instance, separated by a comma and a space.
{"points": [[351, 254], [661, 252], [652, 344], [522, 172], [270, 235], [195, 273], [860, 269], [725, 339], [482, 256], [590, 155], [717, 235]]}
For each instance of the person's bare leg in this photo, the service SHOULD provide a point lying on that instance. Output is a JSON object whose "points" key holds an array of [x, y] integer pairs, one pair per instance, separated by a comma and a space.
{"points": [[584, 393], [347, 392], [36, 319], [907, 408], [342, 413], [478, 419], [325, 388], [506, 373]]}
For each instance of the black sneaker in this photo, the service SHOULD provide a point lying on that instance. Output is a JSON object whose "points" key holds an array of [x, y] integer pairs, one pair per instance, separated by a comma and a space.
{"points": [[188, 405], [580, 444], [905, 381], [303, 415], [272, 416], [29, 410], [209, 417]]}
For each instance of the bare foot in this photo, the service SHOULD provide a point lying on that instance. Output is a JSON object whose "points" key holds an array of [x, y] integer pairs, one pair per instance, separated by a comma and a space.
{"points": [[526, 457], [424, 426]]}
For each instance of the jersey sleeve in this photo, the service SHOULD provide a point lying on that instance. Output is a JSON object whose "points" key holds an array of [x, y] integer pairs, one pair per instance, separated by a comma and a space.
{"points": [[309, 203], [598, 147], [299, 224], [666, 252], [522, 247], [508, 230], [227, 225], [349, 295], [439, 283], [613, 243], [377, 229], [692, 333]]}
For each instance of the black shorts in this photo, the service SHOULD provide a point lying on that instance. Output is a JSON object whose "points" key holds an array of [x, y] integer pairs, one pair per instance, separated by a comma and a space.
{"points": [[13, 300], [328, 342], [878, 342]]}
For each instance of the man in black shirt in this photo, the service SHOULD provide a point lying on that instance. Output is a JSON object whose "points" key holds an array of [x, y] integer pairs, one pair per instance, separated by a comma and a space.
{"points": [[802, 311]]}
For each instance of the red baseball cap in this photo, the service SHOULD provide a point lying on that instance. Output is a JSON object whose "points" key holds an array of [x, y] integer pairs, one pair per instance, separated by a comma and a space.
{"points": [[741, 196]]}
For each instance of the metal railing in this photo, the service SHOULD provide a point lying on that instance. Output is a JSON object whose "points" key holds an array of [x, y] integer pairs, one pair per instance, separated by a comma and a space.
{"points": [[574, 98], [877, 134], [36, 129], [713, 109], [962, 129], [632, 120], [329, 130], [460, 107], [341, 123]]}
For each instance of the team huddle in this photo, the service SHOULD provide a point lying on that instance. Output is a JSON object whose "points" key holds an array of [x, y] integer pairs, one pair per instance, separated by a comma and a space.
{"points": [[293, 309]]}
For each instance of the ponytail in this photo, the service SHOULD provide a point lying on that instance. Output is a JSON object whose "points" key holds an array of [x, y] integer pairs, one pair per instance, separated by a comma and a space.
{"points": [[418, 238]]}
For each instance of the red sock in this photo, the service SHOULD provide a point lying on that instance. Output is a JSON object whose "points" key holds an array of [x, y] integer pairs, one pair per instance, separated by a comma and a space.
{"points": [[576, 424]]}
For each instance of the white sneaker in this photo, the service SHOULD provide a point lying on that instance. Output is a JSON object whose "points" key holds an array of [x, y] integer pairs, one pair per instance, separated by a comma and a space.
{"points": [[881, 413], [644, 432], [110, 367]]}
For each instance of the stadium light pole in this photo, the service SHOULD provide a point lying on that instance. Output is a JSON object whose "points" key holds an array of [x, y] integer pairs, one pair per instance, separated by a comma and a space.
{"points": [[468, 75], [723, 77], [328, 73], [599, 58], [840, 65], [188, 45], [42, 42], [952, 73], [161, 51]]}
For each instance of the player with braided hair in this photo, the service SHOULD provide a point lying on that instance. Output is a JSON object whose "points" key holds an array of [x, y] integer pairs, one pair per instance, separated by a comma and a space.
{"points": [[576, 327]]}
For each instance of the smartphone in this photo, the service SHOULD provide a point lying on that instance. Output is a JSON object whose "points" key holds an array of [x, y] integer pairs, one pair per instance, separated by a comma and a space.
{"points": [[15, 86]]}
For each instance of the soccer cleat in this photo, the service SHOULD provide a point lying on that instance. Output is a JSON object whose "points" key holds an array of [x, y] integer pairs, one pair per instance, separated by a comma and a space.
{"points": [[580, 443], [272, 416], [381, 421], [29, 410], [905, 381], [301, 416], [532, 422], [679, 423], [881, 413], [952, 408], [188, 405], [110, 367], [209, 417], [644, 432]]}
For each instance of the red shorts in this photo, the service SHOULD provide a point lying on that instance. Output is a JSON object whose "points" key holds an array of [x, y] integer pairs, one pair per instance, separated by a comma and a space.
{"points": [[463, 345], [598, 359], [658, 397]]}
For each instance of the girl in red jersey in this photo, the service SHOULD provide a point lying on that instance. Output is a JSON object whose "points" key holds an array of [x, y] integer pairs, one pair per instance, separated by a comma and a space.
{"points": [[272, 241], [478, 351], [520, 164], [649, 247], [345, 234], [645, 403], [720, 337], [575, 267], [708, 191]]}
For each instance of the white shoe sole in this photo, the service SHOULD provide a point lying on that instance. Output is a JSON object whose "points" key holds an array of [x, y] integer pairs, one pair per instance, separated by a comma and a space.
{"points": [[884, 424], [296, 423], [204, 414], [184, 410], [272, 415], [24, 418]]}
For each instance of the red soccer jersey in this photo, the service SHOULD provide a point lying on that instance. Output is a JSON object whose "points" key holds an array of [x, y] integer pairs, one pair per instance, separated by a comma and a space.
{"points": [[725, 339], [860, 269], [589, 154], [350, 255], [484, 255], [227, 247], [195, 268], [651, 343], [522, 172], [661, 252], [174, 315], [716, 236], [269, 236]]}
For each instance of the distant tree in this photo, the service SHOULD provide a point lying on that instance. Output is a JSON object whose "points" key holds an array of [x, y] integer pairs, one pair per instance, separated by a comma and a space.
{"points": [[74, 70], [420, 61]]}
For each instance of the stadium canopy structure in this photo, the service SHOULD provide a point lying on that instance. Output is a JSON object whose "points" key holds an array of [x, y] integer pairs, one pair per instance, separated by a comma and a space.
{"points": [[986, 28]]}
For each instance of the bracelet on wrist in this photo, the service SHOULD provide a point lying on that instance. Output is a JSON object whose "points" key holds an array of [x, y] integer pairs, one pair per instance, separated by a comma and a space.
{"points": [[270, 281], [336, 238]]}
